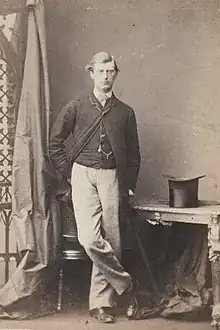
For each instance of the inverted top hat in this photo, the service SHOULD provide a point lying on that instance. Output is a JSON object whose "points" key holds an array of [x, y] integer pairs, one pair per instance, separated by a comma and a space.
{"points": [[183, 192]]}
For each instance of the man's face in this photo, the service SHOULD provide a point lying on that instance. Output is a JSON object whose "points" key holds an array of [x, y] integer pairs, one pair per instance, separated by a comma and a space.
{"points": [[103, 76]]}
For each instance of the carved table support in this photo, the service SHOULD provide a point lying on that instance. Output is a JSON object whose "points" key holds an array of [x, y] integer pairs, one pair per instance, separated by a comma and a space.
{"points": [[214, 257]]}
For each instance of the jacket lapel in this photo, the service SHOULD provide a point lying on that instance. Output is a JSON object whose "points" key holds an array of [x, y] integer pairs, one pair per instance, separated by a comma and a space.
{"points": [[109, 104]]}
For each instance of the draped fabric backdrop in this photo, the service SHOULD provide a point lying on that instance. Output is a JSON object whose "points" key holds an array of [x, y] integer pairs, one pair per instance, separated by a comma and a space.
{"points": [[34, 210]]}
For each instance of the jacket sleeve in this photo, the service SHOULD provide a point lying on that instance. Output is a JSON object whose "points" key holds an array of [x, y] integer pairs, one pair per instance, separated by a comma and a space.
{"points": [[61, 129], [133, 151]]}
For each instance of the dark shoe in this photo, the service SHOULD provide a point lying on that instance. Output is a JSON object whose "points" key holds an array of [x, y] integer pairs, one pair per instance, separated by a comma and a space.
{"points": [[102, 314], [132, 309]]}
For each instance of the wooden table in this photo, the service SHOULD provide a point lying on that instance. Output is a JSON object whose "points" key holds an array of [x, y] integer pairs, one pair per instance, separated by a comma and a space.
{"points": [[207, 213]]}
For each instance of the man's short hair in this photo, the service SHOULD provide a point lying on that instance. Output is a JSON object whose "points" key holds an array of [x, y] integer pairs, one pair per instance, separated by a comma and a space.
{"points": [[102, 57]]}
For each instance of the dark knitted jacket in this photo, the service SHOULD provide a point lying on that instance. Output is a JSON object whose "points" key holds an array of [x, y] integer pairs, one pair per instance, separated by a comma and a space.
{"points": [[81, 118]]}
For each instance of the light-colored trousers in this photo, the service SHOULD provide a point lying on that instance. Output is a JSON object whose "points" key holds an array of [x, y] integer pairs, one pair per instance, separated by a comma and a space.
{"points": [[95, 196]]}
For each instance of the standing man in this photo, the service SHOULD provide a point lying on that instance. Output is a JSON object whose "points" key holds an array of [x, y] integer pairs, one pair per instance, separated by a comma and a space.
{"points": [[104, 165]]}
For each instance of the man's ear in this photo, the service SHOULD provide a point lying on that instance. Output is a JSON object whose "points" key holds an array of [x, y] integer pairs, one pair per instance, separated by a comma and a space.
{"points": [[116, 75], [91, 74]]}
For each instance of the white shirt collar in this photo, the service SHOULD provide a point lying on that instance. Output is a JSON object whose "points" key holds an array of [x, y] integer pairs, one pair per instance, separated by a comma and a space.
{"points": [[102, 96]]}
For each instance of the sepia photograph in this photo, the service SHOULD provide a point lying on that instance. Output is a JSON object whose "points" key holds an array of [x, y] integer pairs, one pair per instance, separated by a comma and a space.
{"points": [[109, 164]]}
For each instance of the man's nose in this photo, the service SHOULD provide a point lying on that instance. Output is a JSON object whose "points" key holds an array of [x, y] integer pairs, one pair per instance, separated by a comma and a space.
{"points": [[106, 75]]}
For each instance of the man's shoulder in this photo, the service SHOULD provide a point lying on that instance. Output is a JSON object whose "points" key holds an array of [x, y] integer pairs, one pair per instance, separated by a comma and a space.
{"points": [[124, 106], [82, 98], [76, 102]]}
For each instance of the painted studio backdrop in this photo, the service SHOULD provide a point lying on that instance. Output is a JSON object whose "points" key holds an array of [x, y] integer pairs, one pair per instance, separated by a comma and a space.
{"points": [[168, 55]]}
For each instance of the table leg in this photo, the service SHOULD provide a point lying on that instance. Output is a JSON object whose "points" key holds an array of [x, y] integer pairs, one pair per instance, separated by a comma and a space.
{"points": [[214, 257], [215, 266], [60, 290]]}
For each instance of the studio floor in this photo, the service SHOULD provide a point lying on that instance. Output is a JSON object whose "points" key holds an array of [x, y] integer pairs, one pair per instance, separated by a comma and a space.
{"points": [[78, 319]]}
